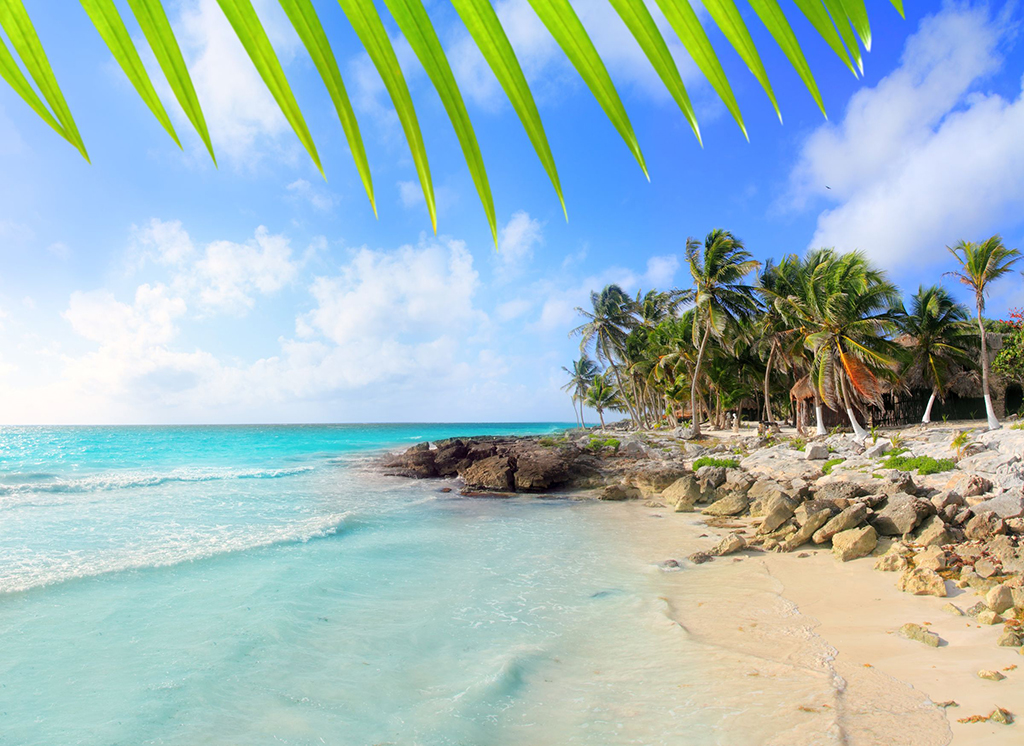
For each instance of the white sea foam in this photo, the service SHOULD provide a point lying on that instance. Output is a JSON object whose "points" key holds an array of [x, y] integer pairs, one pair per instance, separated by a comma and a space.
{"points": [[129, 478], [22, 574]]}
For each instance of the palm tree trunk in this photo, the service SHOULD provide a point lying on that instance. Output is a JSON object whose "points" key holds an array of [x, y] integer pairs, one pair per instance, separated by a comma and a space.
{"points": [[695, 427], [622, 394], [583, 425], [993, 421], [928, 410], [767, 392], [600, 413], [575, 414], [858, 432], [819, 419]]}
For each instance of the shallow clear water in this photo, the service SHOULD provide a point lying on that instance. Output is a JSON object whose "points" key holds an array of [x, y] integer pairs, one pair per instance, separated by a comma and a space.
{"points": [[262, 585]]}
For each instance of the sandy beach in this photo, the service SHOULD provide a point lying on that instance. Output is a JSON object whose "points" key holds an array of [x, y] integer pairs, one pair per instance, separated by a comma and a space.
{"points": [[887, 688]]}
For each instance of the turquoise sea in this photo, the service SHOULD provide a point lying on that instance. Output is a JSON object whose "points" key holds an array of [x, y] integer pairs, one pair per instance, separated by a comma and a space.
{"points": [[264, 585]]}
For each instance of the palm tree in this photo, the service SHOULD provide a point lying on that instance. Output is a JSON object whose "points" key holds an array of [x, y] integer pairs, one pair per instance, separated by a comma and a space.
{"points": [[777, 283], [581, 375], [980, 265], [848, 311], [601, 396], [606, 329], [938, 339], [717, 268], [837, 26]]}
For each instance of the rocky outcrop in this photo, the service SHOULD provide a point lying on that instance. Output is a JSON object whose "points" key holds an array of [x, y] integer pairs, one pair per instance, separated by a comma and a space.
{"points": [[922, 582], [918, 633], [900, 515], [854, 543], [491, 473]]}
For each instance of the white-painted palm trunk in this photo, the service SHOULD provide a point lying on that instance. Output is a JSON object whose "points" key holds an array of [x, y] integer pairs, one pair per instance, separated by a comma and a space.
{"points": [[993, 421], [858, 432], [820, 421], [928, 410]]}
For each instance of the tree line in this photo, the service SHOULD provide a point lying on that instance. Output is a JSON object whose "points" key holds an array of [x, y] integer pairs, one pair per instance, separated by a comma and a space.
{"points": [[745, 332]]}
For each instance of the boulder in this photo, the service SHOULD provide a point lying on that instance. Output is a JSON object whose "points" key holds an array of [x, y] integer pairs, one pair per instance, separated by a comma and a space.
{"points": [[416, 463], [920, 634], [988, 617], [968, 485], [999, 599], [990, 675], [538, 468], [984, 526], [653, 477], [618, 492], [811, 507], [838, 491], [777, 510], [1007, 505], [892, 562], [450, 456], [878, 450], [711, 477], [732, 504], [816, 452], [932, 558], [1010, 638], [699, 558], [900, 515], [853, 543], [852, 517], [633, 449], [682, 493], [491, 473], [898, 482], [947, 499], [985, 568], [803, 535], [729, 544], [922, 582], [737, 480], [932, 532]]}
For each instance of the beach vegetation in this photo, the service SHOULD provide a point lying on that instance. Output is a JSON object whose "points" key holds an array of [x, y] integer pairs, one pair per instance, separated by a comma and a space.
{"points": [[724, 463], [921, 464], [827, 467]]}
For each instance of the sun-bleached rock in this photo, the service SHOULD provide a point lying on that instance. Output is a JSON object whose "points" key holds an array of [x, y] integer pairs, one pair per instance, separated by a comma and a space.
{"points": [[922, 582], [854, 543]]}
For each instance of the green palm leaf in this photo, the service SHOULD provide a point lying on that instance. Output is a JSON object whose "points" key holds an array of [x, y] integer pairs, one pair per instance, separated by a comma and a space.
{"points": [[772, 17], [243, 19], [638, 19], [687, 26], [416, 26], [15, 21], [727, 18], [842, 25], [306, 23], [564, 25], [368, 27], [858, 16], [483, 25], [157, 30], [106, 19], [10, 72], [815, 12]]}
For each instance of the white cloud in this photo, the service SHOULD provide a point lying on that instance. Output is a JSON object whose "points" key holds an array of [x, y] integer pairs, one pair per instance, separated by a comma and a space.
{"points": [[921, 159], [318, 198], [149, 321], [661, 272], [516, 241], [238, 108], [513, 309], [222, 276], [410, 194], [59, 249]]}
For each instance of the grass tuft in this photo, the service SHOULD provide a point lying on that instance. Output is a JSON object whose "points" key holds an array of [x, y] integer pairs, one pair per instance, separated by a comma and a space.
{"points": [[826, 469], [726, 463], [922, 464]]}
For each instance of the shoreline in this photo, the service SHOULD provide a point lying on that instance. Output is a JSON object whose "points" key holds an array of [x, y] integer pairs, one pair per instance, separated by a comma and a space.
{"points": [[884, 681]]}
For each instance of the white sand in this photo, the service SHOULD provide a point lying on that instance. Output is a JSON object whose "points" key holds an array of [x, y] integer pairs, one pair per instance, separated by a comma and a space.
{"points": [[884, 686]]}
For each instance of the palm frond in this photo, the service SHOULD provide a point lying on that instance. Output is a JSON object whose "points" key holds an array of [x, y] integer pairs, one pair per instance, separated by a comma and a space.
{"points": [[842, 24]]}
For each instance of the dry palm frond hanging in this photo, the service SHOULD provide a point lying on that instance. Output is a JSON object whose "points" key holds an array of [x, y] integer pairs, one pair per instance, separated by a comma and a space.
{"points": [[843, 24]]}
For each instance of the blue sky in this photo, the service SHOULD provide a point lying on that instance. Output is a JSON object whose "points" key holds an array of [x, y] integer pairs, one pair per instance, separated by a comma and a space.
{"points": [[152, 287]]}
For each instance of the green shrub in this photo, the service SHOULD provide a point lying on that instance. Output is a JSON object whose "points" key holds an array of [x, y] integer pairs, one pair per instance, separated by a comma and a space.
{"points": [[922, 464], [547, 442], [596, 444], [798, 444], [897, 451], [1018, 426], [727, 463], [827, 468]]}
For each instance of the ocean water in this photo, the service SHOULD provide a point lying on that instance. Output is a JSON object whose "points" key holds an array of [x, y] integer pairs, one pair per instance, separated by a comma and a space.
{"points": [[264, 585]]}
